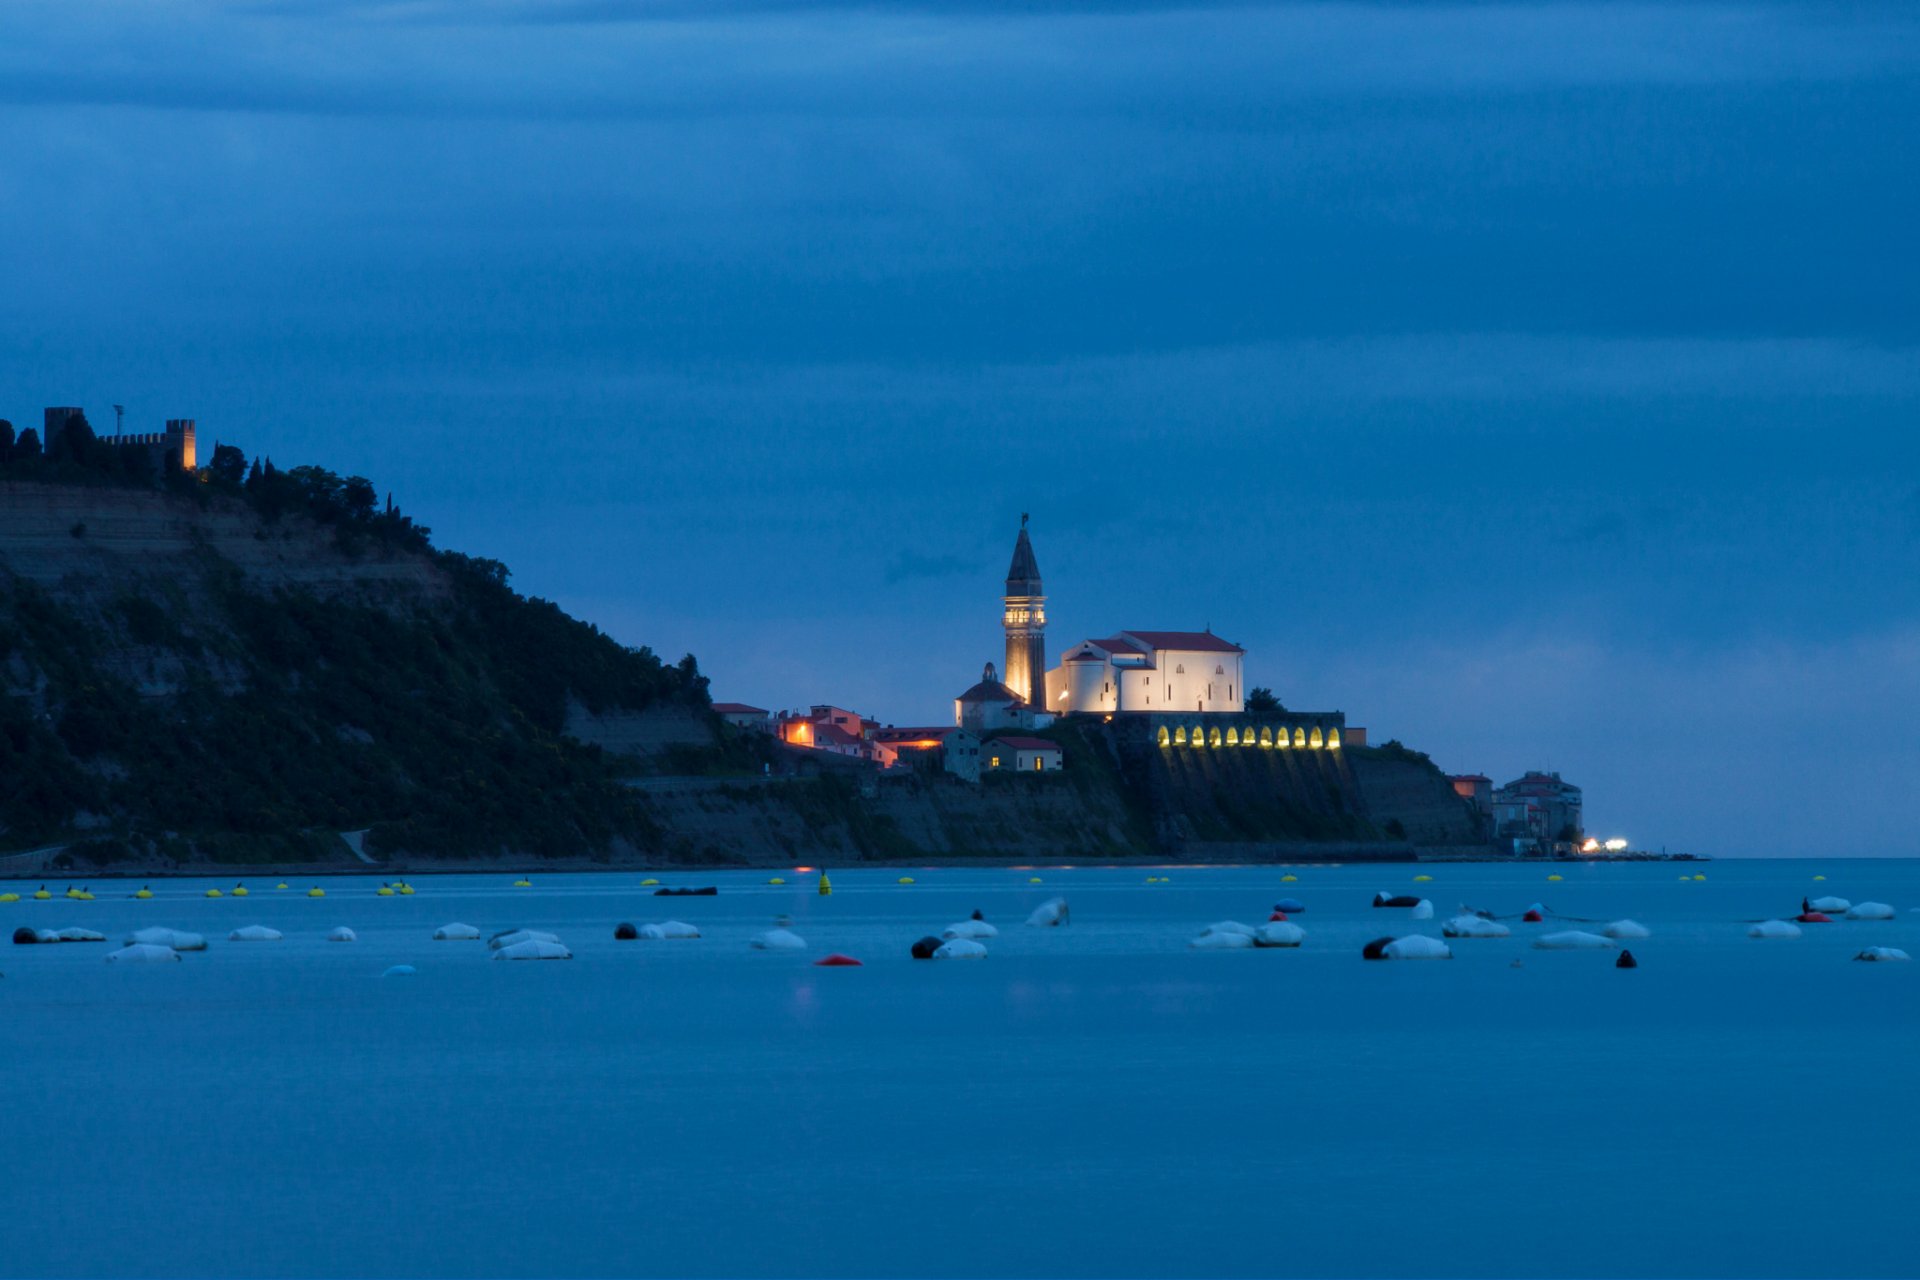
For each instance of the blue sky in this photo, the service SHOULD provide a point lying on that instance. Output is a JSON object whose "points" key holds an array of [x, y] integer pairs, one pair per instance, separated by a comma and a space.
{"points": [[1536, 383]]}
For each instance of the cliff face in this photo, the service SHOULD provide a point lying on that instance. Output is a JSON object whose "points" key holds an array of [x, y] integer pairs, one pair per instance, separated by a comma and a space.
{"points": [[183, 678]]}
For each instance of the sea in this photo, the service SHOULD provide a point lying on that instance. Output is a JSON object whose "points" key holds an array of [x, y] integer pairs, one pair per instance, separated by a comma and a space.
{"points": [[1096, 1099]]}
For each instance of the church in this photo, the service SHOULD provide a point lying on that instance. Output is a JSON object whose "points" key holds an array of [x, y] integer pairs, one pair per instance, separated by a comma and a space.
{"points": [[1131, 671]]}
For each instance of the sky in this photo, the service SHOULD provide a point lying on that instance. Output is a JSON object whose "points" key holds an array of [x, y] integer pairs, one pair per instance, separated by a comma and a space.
{"points": [[1537, 384]]}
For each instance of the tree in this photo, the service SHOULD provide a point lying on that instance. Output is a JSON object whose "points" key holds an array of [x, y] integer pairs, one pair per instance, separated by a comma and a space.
{"points": [[358, 493], [6, 440], [1261, 702], [253, 475], [229, 466], [27, 447], [75, 441]]}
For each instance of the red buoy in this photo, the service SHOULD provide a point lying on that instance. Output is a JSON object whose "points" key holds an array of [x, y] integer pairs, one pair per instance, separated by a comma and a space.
{"points": [[1278, 915], [1533, 917], [836, 960], [1814, 917]]}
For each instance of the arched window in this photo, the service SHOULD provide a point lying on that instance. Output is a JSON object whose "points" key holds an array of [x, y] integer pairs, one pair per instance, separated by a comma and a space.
{"points": [[1180, 669], [1299, 736], [1266, 737], [1333, 739], [1233, 736], [1166, 739], [1219, 671], [1198, 737], [1316, 740], [1214, 741], [1179, 736]]}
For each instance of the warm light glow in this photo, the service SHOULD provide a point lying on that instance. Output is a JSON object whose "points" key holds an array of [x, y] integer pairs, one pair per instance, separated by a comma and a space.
{"points": [[1166, 739], [1316, 741], [1333, 739], [1616, 845], [1266, 737], [1233, 736], [1197, 736], [1214, 741], [1179, 736], [1591, 846], [1299, 736]]}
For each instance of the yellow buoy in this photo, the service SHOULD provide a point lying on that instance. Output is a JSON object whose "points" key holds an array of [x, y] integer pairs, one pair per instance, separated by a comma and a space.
{"points": [[41, 894], [9, 897], [1819, 877], [523, 884], [906, 879], [1033, 879], [1288, 879], [777, 880], [144, 893], [826, 885], [649, 881], [1699, 877], [1421, 879], [405, 889], [281, 885], [1553, 877], [215, 893], [239, 891], [383, 892], [316, 892]]}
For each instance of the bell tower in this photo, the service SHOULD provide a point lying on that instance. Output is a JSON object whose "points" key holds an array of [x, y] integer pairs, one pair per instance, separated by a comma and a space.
{"points": [[1025, 619]]}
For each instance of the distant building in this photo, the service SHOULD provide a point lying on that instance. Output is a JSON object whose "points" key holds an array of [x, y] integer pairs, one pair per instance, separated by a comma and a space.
{"points": [[1538, 810], [948, 747], [1021, 755], [742, 716], [1024, 617], [173, 448], [1154, 672], [991, 705], [1476, 789]]}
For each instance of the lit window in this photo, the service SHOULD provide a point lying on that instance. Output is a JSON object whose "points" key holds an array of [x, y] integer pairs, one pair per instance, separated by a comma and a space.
{"points": [[1233, 736], [995, 762], [1214, 741], [1166, 739], [1179, 736], [1316, 740], [1039, 762]]}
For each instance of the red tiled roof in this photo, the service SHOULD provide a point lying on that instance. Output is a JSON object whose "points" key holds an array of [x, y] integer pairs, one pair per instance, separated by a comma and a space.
{"points": [[1115, 644], [1027, 744], [738, 709], [1201, 641]]}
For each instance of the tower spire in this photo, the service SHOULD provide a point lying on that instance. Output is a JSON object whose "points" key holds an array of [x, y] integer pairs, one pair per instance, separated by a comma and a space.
{"points": [[1025, 619]]}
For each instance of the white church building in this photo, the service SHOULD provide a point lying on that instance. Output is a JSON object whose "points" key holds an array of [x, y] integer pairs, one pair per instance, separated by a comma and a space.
{"points": [[1149, 671]]}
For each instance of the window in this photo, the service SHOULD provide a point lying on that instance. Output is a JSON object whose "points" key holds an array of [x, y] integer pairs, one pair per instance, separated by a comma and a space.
{"points": [[1039, 761], [995, 762], [1166, 739], [1180, 669]]}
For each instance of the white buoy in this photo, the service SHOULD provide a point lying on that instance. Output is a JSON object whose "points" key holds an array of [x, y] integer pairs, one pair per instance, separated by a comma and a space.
{"points": [[343, 934], [1774, 929], [1211, 941], [513, 937], [1883, 953], [1474, 927], [1832, 906], [1627, 929], [1870, 911], [667, 929], [533, 950], [1049, 914], [1417, 947], [254, 933], [778, 940], [1228, 926], [1572, 940], [960, 949], [1279, 933], [974, 929], [141, 953], [173, 939], [456, 933], [1422, 910]]}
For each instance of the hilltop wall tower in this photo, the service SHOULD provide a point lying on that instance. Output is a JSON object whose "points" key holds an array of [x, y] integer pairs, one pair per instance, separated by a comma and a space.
{"points": [[1025, 618]]}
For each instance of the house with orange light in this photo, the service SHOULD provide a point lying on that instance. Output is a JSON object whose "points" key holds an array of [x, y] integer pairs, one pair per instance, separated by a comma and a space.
{"points": [[1019, 754]]}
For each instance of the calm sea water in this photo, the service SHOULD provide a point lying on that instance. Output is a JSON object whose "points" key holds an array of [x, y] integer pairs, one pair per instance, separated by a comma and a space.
{"points": [[1092, 1100]]}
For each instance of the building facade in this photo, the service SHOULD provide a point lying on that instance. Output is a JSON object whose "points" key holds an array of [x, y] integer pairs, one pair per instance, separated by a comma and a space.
{"points": [[1155, 672], [1538, 809], [991, 704], [1024, 617], [1017, 754]]}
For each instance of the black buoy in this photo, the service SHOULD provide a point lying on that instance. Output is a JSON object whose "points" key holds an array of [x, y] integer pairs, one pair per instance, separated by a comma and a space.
{"points": [[705, 892], [1402, 900], [977, 915], [1626, 961], [1375, 950], [24, 936], [625, 932], [924, 949]]}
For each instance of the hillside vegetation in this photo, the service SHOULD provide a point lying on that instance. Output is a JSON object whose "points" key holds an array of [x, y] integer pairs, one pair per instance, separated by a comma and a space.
{"points": [[237, 669]]}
